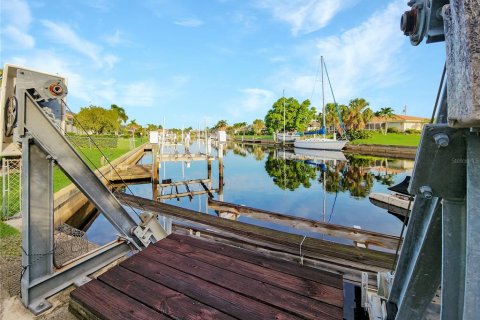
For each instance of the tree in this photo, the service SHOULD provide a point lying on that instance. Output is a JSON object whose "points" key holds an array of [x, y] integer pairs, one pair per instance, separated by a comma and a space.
{"points": [[122, 116], [238, 127], [97, 120], [355, 118], [152, 127], [385, 113], [297, 116], [221, 125], [133, 127], [258, 125]]}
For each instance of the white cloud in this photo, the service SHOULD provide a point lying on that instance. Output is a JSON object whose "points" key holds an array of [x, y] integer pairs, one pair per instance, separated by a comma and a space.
{"points": [[305, 16], [189, 22], [23, 40], [16, 18], [118, 38], [256, 99], [365, 57], [63, 34]]}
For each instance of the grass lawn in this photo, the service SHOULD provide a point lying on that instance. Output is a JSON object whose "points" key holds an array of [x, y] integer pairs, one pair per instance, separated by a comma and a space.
{"points": [[7, 231], [393, 139], [92, 157], [267, 137]]}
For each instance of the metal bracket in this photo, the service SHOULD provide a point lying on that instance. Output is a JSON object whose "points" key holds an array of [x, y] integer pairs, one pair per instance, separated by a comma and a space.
{"points": [[440, 163]]}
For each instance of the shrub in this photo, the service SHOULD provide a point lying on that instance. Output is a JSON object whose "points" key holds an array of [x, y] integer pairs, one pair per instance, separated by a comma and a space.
{"points": [[392, 130], [353, 134], [413, 131]]}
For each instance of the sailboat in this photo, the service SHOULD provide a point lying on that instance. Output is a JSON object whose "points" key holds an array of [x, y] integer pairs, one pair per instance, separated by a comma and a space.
{"points": [[321, 143], [283, 136]]}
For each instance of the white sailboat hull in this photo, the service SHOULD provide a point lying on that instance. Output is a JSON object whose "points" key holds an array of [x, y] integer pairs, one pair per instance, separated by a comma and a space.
{"points": [[320, 144], [319, 154]]}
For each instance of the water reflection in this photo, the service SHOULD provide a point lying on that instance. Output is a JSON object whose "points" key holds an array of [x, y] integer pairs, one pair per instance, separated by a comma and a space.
{"points": [[285, 181]]}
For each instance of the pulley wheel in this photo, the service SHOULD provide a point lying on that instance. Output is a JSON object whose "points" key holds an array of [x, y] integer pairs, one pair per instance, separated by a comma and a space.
{"points": [[11, 109]]}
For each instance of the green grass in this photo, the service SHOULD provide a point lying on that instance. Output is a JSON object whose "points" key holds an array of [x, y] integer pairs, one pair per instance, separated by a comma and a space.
{"points": [[265, 137], [7, 231], [393, 139], [92, 157]]}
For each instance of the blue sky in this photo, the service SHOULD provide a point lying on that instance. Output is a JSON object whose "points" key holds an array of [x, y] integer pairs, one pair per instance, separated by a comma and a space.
{"points": [[196, 62]]}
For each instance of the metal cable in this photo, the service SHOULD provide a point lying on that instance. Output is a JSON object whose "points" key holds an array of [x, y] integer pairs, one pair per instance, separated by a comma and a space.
{"points": [[394, 265], [78, 148], [344, 133], [439, 92], [316, 77], [108, 161]]}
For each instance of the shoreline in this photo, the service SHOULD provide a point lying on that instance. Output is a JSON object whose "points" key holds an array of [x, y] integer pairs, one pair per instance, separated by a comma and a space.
{"points": [[390, 151]]}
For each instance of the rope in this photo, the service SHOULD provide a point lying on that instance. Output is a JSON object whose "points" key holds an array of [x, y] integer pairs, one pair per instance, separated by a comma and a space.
{"points": [[301, 254]]}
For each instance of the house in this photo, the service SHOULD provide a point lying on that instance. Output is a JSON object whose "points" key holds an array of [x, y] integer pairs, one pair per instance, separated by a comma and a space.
{"points": [[400, 122]]}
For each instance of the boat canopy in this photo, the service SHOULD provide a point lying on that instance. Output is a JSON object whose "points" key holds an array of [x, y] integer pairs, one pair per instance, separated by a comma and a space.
{"points": [[321, 131]]}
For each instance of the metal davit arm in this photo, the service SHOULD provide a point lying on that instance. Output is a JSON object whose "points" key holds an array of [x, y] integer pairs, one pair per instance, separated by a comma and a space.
{"points": [[47, 136], [42, 146]]}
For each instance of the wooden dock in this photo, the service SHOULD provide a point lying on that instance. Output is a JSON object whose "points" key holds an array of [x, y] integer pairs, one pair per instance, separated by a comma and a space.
{"points": [[184, 277], [346, 260], [358, 236]]}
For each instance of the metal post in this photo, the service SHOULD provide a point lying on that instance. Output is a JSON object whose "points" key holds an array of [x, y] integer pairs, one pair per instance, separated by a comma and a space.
{"points": [[471, 302], [453, 258], [4, 189], [37, 210]]}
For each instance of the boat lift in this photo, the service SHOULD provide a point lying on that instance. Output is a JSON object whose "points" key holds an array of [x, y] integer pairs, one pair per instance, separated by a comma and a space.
{"points": [[441, 248], [32, 114]]}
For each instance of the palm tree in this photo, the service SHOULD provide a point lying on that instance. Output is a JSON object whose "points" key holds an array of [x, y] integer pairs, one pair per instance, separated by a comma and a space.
{"points": [[385, 113], [354, 118]]}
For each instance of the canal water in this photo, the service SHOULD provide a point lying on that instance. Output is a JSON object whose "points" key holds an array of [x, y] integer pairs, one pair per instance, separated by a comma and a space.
{"points": [[324, 187]]}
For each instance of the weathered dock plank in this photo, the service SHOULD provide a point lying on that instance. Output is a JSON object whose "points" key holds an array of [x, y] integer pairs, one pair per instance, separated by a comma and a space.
{"points": [[361, 236], [171, 282], [136, 172], [309, 288], [360, 259]]}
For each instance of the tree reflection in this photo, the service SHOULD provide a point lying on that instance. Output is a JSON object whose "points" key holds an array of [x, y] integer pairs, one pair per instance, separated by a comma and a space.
{"points": [[351, 176], [290, 174]]}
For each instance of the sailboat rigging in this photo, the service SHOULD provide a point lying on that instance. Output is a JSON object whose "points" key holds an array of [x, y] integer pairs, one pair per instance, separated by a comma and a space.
{"points": [[323, 143]]}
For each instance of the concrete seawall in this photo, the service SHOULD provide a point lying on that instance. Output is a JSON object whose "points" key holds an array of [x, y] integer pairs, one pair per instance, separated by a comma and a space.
{"points": [[403, 152]]}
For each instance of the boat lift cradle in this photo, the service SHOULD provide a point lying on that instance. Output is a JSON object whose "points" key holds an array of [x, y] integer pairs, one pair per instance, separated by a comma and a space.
{"points": [[441, 248], [37, 100]]}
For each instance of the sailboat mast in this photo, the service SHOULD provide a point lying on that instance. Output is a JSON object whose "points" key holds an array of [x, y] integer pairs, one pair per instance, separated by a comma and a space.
{"points": [[323, 102]]}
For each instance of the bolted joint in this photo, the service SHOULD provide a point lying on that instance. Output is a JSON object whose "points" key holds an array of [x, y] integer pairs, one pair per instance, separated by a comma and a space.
{"points": [[408, 22], [441, 139], [426, 192]]}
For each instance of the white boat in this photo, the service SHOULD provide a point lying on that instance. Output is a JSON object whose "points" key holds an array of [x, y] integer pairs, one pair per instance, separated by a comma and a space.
{"points": [[321, 143], [399, 202], [394, 203], [319, 154], [289, 137]]}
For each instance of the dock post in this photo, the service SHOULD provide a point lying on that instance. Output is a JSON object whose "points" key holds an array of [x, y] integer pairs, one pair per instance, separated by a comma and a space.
{"points": [[155, 169]]}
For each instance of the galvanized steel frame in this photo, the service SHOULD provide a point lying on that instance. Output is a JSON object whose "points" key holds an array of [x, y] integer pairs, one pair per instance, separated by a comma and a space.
{"points": [[42, 146]]}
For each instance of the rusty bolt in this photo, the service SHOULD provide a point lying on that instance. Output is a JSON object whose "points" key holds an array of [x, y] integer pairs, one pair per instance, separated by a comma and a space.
{"points": [[408, 22]]}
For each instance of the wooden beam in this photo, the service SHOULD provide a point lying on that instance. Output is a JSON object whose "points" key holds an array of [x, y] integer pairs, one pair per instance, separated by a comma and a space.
{"points": [[362, 236], [336, 253], [177, 183], [184, 194]]}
